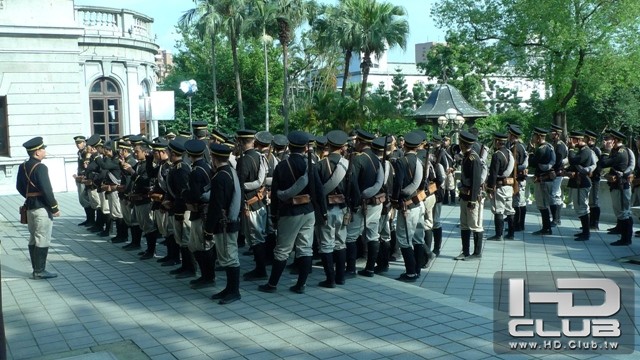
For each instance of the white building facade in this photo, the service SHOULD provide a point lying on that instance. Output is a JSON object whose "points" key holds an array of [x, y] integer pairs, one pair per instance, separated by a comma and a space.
{"points": [[69, 70]]}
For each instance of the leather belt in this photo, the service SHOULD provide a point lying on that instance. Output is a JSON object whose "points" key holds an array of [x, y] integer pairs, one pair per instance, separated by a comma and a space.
{"points": [[34, 194]]}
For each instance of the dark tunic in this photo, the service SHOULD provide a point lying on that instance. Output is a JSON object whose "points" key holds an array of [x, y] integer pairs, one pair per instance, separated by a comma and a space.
{"points": [[618, 160], [405, 170], [520, 157], [597, 173], [499, 164], [364, 173], [542, 159], [285, 175], [471, 176], [327, 167], [248, 168], [40, 183], [199, 184], [562, 152], [177, 182], [141, 184], [222, 187], [582, 157]]}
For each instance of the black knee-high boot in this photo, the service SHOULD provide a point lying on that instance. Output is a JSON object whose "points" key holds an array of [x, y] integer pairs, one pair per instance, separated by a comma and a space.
{"points": [[108, 224], [626, 229], [437, 240], [329, 271], [465, 236], [523, 215], [98, 225], [373, 247], [511, 228], [477, 246], [352, 253], [585, 234], [260, 271], [498, 221], [452, 195], [276, 272], [304, 268], [419, 256], [429, 255], [594, 219], [516, 218], [546, 223], [382, 262], [233, 286], [340, 259], [409, 265], [152, 239]]}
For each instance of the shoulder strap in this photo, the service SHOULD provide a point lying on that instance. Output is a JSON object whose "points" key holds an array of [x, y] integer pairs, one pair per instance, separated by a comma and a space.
{"points": [[29, 175]]}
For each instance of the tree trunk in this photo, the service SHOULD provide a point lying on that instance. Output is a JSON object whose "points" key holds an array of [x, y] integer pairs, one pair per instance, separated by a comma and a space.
{"points": [[366, 65], [236, 70], [266, 79], [285, 93], [214, 80], [345, 74]]}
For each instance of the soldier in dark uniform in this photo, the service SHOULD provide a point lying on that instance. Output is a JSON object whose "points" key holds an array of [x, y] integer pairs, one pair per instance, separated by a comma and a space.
{"points": [[470, 198], [177, 184], [296, 188], [366, 180], [333, 170], [91, 180], [440, 178], [111, 174], [223, 221], [197, 197], [562, 161], [408, 177], [81, 143], [139, 197], [581, 164], [594, 193], [251, 170], [519, 152], [543, 160], [500, 187], [127, 221], [34, 185], [621, 162], [381, 145], [162, 211], [262, 144], [201, 132]]}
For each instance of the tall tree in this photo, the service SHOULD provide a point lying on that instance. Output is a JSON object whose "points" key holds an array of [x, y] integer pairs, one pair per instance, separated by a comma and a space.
{"points": [[207, 22], [547, 39], [399, 93], [383, 26], [290, 15]]}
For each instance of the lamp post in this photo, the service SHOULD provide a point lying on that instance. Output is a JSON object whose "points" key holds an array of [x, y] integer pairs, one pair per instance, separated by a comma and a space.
{"points": [[455, 120], [189, 88]]}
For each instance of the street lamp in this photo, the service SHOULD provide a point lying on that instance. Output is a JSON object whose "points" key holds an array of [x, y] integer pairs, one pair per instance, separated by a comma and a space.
{"points": [[189, 88], [452, 118]]}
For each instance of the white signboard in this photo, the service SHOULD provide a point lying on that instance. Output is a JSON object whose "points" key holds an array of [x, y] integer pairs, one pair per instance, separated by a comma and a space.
{"points": [[163, 105]]}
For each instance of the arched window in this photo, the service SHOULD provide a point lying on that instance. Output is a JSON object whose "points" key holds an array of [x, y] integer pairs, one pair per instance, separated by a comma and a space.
{"points": [[105, 99], [144, 105]]}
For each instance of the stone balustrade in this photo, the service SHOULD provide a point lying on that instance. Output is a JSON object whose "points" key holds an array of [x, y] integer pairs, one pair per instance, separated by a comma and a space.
{"points": [[124, 23]]}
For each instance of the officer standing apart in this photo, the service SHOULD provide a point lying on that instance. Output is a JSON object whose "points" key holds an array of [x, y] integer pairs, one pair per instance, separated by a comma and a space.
{"points": [[581, 164], [543, 159], [470, 198], [34, 185], [223, 221], [594, 194], [293, 212], [621, 161], [500, 187], [81, 143]]}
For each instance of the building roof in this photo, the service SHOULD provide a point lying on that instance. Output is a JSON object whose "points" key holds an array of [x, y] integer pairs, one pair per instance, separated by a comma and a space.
{"points": [[444, 97]]}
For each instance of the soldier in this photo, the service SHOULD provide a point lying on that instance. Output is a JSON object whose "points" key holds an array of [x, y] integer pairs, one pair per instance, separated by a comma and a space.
{"points": [[161, 206], [139, 197], [201, 132], [581, 164], [543, 160], [429, 188], [280, 143], [333, 170], [169, 136], [262, 144], [177, 184], [197, 196], [81, 143], [252, 172], [448, 152], [34, 185], [621, 162], [594, 193], [366, 180], [440, 179], [382, 146], [519, 152], [562, 152], [470, 198], [112, 173], [500, 187], [127, 221], [296, 187], [409, 174], [223, 221]]}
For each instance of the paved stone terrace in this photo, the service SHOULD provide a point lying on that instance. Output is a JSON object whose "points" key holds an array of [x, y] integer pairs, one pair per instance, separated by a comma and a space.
{"points": [[105, 296]]}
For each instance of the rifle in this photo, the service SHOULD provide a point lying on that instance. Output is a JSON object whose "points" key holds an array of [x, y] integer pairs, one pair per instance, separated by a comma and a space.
{"points": [[347, 194], [387, 202], [320, 218]]}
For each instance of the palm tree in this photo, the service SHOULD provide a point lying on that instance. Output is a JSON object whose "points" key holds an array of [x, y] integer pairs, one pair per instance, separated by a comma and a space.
{"points": [[290, 14], [382, 27], [338, 28], [207, 21]]}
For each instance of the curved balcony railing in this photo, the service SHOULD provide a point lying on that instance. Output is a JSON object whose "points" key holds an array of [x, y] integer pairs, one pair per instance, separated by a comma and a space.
{"points": [[104, 21]]}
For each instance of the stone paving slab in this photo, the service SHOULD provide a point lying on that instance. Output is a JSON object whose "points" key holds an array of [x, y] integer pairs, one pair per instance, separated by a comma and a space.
{"points": [[105, 295]]}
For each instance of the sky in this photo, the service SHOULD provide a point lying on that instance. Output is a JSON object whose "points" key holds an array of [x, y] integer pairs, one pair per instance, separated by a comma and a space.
{"points": [[166, 13]]}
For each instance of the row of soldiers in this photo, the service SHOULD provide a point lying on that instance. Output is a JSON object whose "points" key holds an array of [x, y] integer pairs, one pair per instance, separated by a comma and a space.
{"points": [[281, 195]]}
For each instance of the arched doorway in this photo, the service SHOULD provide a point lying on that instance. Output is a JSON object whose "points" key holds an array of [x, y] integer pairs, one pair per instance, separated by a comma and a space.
{"points": [[144, 106], [105, 99]]}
